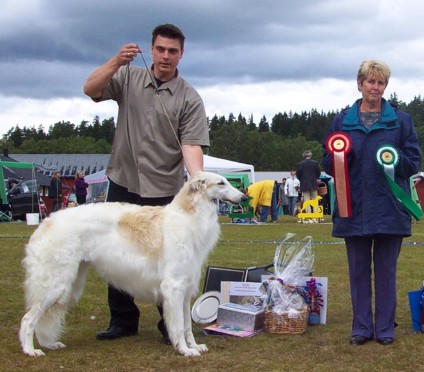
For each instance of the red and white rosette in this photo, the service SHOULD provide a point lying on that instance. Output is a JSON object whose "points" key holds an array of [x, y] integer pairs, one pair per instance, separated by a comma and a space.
{"points": [[338, 145]]}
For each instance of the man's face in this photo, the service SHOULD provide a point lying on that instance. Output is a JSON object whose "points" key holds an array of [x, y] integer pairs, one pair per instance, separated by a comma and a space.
{"points": [[166, 55]]}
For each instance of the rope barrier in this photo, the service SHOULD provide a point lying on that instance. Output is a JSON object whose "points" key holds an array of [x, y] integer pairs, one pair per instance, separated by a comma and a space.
{"points": [[247, 241], [314, 242]]}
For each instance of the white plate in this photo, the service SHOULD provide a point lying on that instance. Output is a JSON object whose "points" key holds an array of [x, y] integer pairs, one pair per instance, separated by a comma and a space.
{"points": [[205, 309]]}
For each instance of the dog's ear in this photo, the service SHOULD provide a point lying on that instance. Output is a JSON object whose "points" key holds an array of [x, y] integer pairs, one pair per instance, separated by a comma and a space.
{"points": [[196, 185]]}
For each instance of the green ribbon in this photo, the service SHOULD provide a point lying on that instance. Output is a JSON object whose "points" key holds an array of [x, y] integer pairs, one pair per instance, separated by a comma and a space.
{"points": [[388, 158]]}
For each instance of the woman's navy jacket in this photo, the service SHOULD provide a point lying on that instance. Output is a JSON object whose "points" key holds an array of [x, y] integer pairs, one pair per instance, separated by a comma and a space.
{"points": [[375, 210]]}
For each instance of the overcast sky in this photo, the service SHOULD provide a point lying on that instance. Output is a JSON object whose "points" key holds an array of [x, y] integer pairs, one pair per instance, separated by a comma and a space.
{"points": [[243, 56]]}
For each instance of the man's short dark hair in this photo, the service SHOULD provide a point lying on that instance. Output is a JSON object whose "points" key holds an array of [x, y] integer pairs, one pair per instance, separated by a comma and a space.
{"points": [[169, 31]]}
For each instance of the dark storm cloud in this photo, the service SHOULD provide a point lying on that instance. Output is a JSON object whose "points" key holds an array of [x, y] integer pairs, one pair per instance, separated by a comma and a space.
{"points": [[49, 47]]}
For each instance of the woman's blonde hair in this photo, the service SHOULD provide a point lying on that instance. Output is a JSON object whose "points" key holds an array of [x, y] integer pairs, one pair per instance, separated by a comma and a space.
{"points": [[78, 174], [373, 67]]}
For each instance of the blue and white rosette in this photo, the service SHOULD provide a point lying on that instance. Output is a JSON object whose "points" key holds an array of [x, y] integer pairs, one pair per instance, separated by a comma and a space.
{"points": [[388, 158]]}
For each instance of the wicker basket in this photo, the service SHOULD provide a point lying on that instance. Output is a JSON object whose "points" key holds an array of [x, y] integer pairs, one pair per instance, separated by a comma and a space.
{"points": [[287, 322], [322, 188]]}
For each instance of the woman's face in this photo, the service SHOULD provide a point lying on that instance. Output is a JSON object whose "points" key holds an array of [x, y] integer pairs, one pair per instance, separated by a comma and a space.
{"points": [[372, 89]]}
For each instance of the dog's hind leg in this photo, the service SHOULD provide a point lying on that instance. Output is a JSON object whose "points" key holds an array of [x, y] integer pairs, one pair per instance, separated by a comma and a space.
{"points": [[79, 283], [26, 332], [46, 321]]}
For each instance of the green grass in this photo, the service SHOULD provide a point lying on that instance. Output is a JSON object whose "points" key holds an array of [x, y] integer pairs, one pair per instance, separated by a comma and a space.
{"points": [[321, 348]]}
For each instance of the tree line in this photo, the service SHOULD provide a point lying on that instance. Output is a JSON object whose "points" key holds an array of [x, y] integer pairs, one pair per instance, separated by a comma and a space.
{"points": [[270, 146]]}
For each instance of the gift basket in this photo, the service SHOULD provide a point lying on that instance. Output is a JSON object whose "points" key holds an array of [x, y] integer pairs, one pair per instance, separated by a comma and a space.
{"points": [[286, 311]]}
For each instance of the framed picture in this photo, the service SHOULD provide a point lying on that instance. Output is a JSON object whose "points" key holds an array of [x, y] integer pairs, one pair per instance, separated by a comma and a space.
{"points": [[215, 275]]}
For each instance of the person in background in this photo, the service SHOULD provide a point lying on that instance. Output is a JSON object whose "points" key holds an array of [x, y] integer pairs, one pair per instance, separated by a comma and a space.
{"points": [[55, 191], [80, 188], [283, 199], [264, 195], [12, 183], [308, 173], [292, 190], [374, 231], [161, 128]]}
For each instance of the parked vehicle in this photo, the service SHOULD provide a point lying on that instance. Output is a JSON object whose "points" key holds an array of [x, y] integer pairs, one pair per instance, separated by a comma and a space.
{"points": [[25, 198]]}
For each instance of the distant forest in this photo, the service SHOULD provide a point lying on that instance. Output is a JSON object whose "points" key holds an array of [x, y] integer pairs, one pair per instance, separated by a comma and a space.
{"points": [[270, 146]]}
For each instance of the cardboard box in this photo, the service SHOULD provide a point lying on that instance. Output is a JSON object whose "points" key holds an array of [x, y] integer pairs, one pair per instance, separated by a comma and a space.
{"points": [[243, 293], [246, 317]]}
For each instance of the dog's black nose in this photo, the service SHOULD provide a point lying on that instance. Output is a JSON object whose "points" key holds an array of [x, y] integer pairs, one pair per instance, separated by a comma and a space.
{"points": [[244, 198]]}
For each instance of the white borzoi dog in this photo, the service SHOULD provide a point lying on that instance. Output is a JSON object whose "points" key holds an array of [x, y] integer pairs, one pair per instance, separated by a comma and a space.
{"points": [[155, 254]]}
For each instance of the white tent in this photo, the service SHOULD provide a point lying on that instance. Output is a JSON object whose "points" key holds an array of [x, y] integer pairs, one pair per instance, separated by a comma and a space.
{"points": [[98, 182], [218, 165]]}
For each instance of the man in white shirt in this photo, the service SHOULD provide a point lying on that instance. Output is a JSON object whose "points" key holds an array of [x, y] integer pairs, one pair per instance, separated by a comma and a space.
{"points": [[292, 190]]}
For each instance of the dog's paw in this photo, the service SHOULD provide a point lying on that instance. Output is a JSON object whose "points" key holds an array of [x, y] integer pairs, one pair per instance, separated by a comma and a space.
{"points": [[55, 346], [189, 352], [202, 348], [34, 352]]}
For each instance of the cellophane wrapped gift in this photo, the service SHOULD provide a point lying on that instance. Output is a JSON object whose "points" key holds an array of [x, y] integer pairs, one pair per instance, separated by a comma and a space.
{"points": [[285, 308]]}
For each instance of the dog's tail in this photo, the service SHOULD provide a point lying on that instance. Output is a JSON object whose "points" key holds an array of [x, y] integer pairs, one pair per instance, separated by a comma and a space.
{"points": [[50, 326]]}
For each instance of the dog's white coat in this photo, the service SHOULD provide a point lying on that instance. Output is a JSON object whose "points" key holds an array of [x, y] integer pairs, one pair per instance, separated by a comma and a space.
{"points": [[155, 254]]}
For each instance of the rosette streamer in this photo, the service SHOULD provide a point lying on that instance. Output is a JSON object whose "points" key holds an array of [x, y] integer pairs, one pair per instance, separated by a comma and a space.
{"points": [[388, 158], [338, 146]]}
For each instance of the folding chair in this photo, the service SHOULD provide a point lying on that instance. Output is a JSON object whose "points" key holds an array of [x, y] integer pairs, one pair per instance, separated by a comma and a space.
{"points": [[5, 212]]}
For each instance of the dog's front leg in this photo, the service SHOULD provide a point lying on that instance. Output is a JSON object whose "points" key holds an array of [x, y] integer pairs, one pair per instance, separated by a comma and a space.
{"points": [[173, 312], [188, 329]]}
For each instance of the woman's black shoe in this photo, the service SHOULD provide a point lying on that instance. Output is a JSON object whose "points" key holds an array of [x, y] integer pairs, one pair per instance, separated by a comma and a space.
{"points": [[385, 340], [358, 340]]}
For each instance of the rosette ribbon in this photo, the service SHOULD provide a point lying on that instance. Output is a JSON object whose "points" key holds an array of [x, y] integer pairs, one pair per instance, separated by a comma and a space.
{"points": [[338, 146], [388, 158]]}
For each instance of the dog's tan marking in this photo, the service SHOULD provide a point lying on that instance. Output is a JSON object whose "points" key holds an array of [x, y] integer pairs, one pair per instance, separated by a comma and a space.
{"points": [[187, 200], [144, 229], [186, 203], [43, 229]]}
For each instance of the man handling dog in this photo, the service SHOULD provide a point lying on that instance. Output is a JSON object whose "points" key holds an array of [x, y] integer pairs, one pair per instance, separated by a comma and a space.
{"points": [[161, 127]]}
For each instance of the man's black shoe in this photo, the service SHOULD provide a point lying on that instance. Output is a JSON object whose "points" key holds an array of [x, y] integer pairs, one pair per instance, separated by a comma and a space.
{"points": [[358, 340], [114, 332], [162, 329]]}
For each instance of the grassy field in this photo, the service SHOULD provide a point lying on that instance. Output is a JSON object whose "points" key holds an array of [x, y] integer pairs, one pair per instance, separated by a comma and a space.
{"points": [[321, 348]]}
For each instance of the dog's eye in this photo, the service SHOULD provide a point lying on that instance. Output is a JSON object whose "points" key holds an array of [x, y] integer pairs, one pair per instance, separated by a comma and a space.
{"points": [[221, 183]]}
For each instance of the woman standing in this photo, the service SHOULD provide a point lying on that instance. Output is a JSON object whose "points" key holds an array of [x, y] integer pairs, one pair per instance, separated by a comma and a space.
{"points": [[80, 188], [374, 221]]}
